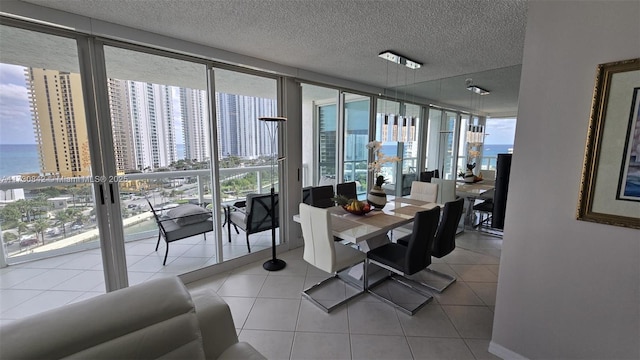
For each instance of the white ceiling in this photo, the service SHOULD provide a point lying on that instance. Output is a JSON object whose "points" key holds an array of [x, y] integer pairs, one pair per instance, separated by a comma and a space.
{"points": [[456, 40]]}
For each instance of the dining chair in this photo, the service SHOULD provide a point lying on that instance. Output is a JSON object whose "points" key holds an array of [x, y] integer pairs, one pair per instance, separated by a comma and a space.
{"points": [[488, 175], [306, 195], [321, 196], [348, 190], [426, 176], [424, 191], [446, 190], [405, 260], [444, 242], [322, 252]]}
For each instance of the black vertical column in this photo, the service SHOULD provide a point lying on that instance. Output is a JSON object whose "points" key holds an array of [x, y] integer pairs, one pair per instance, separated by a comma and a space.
{"points": [[503, 170]]}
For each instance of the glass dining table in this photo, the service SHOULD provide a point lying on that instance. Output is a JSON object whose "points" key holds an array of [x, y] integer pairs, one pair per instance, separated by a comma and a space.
{"points": [[471, 192], [358, 228]]}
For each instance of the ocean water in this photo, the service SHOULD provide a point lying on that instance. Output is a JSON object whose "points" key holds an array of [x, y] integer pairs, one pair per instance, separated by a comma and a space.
{"points": [[494, 150], [18, 158]]}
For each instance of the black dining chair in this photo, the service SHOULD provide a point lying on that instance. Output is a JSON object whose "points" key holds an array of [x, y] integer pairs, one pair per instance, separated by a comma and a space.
{"points": [[348, 190], [444, 242], [306, 195], [321, 196], [426, 176], [404, 260]]}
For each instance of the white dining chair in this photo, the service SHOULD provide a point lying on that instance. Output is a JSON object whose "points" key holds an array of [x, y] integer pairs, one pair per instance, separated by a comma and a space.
{"points": [[446, 190], [321, 251], [424, 191]]}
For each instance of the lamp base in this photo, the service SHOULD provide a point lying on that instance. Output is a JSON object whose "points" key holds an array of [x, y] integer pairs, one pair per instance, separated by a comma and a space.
{"points": [[274, 265]]}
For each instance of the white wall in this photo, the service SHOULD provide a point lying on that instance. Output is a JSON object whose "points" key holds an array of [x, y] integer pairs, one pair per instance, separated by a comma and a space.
{"points": [[567, 288]]}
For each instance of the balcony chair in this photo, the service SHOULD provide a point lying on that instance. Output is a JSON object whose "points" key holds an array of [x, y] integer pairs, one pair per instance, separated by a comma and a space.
{"points": [[321, 196], [253, 215], [180, 223], [443, 244], [348, 190], [424, 191], [321, 251], [407, 260]]}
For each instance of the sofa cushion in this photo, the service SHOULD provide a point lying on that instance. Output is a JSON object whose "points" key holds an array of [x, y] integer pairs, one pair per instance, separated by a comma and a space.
{"points": [[241, 350], [188, 214], [152, 320]]}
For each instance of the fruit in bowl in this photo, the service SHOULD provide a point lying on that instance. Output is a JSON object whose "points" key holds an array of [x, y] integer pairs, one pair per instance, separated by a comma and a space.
{"points": [[357, 207]]}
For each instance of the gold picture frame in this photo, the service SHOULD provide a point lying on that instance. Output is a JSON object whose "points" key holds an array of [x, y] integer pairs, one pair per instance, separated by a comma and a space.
{"points": [[608, 189]]}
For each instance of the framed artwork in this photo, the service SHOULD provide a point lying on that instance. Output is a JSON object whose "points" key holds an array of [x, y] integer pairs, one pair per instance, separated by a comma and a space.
{"points": [[610, 186]]}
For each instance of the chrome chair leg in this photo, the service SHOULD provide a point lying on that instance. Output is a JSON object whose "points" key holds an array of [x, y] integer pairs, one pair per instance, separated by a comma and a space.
{"points": [[449, 279], [400, 279], [307, 292]]}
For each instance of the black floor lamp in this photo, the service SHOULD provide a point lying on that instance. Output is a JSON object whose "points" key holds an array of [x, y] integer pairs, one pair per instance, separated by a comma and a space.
{"points": [[271, 123]]}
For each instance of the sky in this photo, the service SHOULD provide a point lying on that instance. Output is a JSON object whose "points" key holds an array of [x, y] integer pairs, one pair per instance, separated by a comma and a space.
{"points": [[15, 116], [500, 131]]}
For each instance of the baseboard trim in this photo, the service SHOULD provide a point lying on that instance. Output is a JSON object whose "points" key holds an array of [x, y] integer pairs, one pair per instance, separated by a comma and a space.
{"points": [[504, 353]]}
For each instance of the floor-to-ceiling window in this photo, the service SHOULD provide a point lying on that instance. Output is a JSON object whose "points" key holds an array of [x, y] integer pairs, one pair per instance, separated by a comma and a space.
{"points": [[320, 117], [356, 137], [500, 135], [247, 147], [47, 206], [159, 109]]}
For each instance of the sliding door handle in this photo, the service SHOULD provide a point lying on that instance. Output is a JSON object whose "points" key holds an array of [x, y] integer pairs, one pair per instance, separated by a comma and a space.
{"points": [[113, 200], [101, 194]]}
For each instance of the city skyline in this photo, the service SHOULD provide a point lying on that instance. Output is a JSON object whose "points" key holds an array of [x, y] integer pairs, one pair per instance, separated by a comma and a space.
{"points": [[149, 121]]}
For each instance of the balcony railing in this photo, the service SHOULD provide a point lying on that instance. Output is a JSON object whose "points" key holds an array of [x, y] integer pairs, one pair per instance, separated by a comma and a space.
{"points": [[161, 188]]}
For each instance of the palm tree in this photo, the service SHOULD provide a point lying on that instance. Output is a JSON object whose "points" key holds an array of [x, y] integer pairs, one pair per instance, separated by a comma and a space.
{"points": [[63, 217], [74, 191], [40, 226], [22, 228]]}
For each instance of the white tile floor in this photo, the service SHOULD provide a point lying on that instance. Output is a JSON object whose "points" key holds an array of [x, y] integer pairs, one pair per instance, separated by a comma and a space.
{"points": [[32, 287], [270, 313]]}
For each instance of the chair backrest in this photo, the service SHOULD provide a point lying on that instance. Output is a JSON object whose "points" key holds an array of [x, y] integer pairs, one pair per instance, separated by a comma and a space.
{"points": [[446, 190], [407, 181], [306, 195], [321, 196], [319, 249], [488, 174], [426, 176], [259, 212], [156, 217], [424, 191], [347, 189], [445, 240], [418, 255]]}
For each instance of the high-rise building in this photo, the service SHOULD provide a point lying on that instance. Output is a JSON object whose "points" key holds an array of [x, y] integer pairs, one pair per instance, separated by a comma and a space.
{"points": [[152, 125], [58, 114], [239, 131], [121, 124], [195, 123]]}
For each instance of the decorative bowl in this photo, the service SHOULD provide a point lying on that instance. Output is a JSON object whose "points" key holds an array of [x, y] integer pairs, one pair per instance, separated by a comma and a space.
{"points": [[361, 212]]}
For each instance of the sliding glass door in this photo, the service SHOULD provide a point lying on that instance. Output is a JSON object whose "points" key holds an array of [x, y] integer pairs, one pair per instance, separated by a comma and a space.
{"points": [[159, 112], [48, 143], [247, 148]]}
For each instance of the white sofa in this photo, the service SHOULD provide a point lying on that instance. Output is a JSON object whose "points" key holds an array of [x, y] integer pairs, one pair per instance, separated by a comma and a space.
{"points": [[158, 319]]}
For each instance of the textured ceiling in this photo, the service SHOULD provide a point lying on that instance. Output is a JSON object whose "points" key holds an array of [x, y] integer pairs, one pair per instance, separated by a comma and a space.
{"points": [[453, 38]]}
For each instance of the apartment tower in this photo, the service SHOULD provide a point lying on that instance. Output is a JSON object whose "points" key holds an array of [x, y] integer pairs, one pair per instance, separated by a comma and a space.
{"points": [[58, 114]]}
